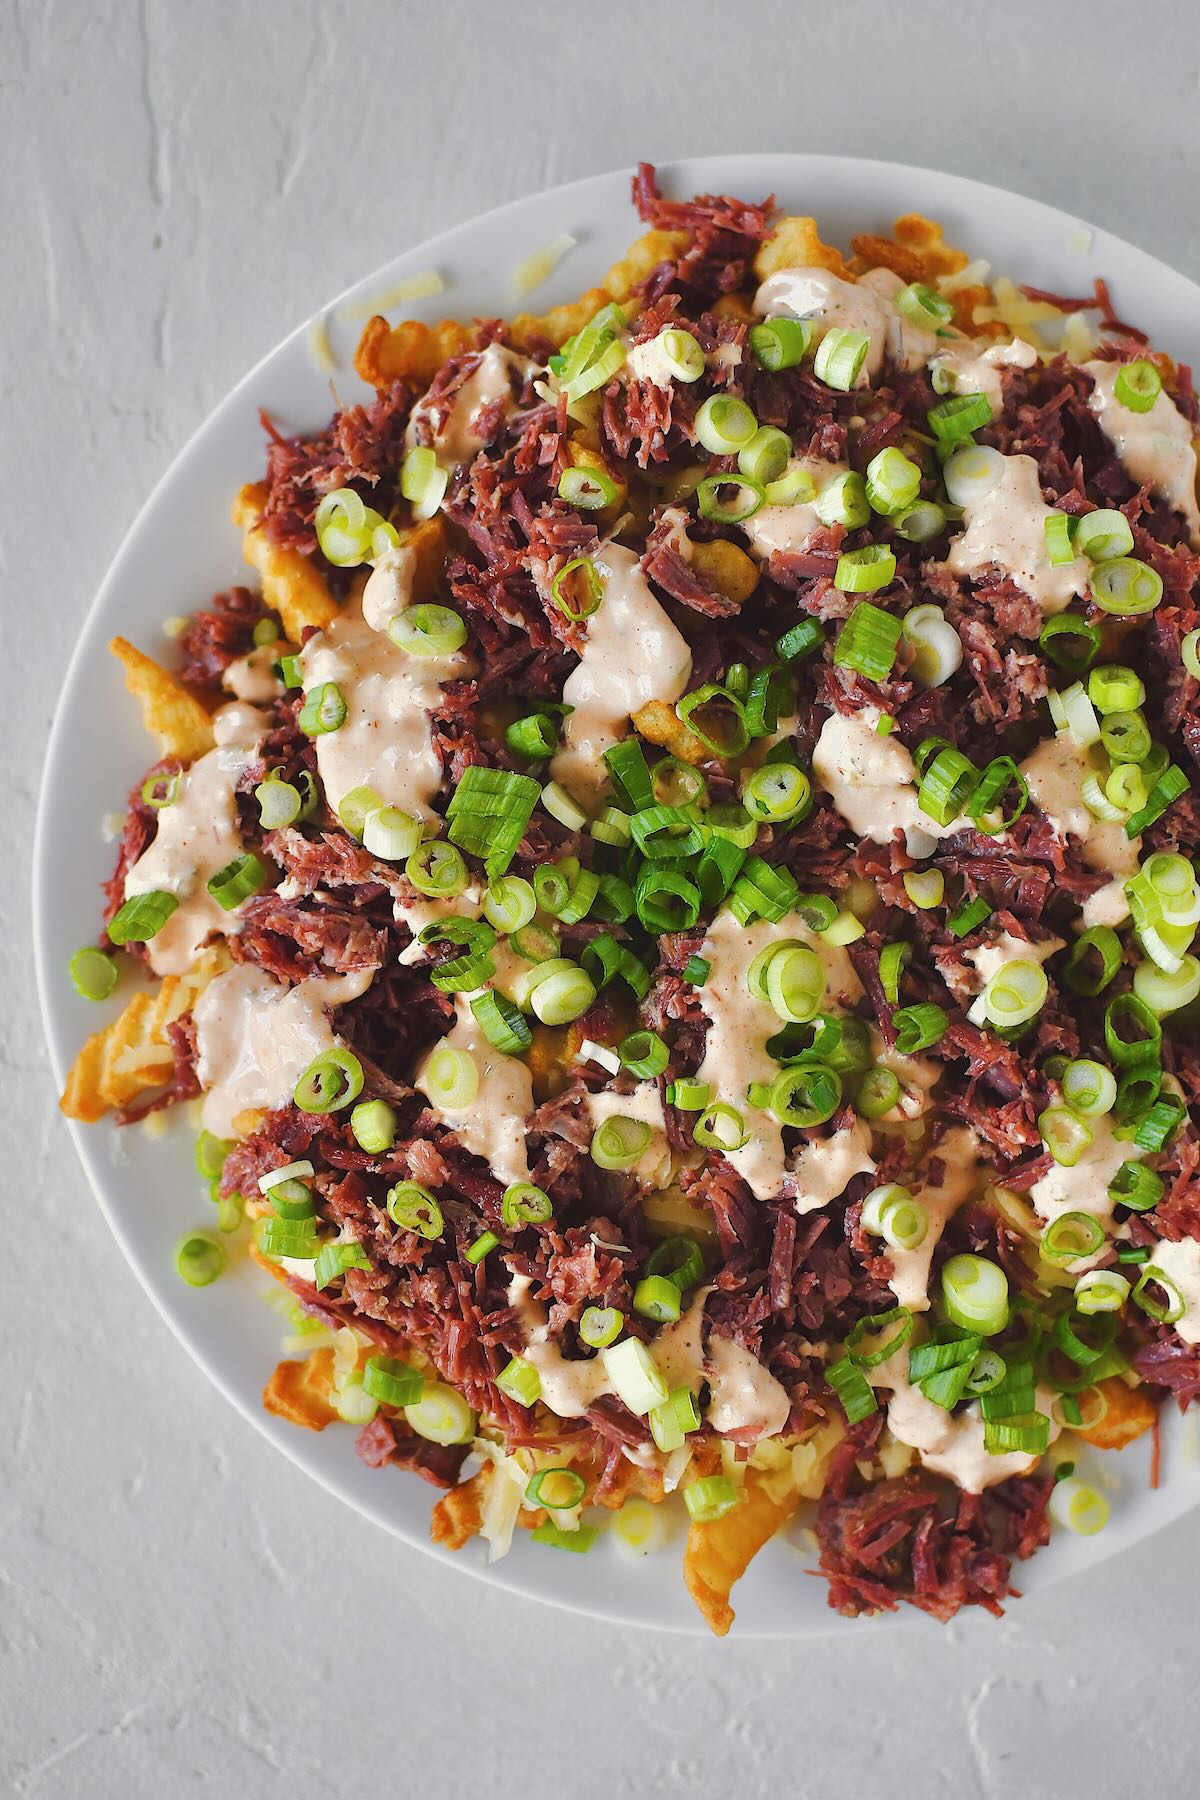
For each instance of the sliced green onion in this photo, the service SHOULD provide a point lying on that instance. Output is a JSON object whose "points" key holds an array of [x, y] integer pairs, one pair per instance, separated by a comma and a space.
{"points": [[141, 917], [423, 482], [762, 891], [1126, 737], [676, 783], [696, 970], [644, 1054], [843, 501], [1138, 385], [578, 589], [630, 775], [532, 737], [781, 343], [926, 888], [1136, 1187], [559, 804], [413, 1208], [717, 718], [840, 357], [946, 786], [562, 996], [972, 473], [1094, 960], [620, 1142], [1163, 1312], [437, 869], [666, 900], [428, 630], [373, 1123], [863, 571], [921, 523], [239, 880], [679, 1259], [484, 1244], [1072, 1236], [1101, 1291], [634, 1376], [868, 642], [1159, 1125], [953, 420], [525, 1204], [1059, 528], [893, 482], [1015, 993], [870, 1327], [1089, 1088], [852, 1388], [520, 1381], [579, 1541], [1065, 1135], [199, 1258], [721, 1127], [278, 803], [600, 1326], [794, 487], [766, 456], [794, 980], [502, 1023], [509, 903], [1126, 586], [1103, 536], [985, 807], [324, 709], [441, 1415], [975, 1294], [559, 1490], [919, 1027], [1028, 1434], [588, 489], [924, 306], [93, 974], [729, 499], [1169, 787], [392, 1382], [1071, 643], [724, 425], [611, 826], [1163, 992], [710, 1498], [1190, 651], [1131, 1031], [334, 1260], [689, 1095], [667, 833], [656, 1297], [330, 1082], [878, 1092], [805, 1095], [968, 917], [450, 1078]]}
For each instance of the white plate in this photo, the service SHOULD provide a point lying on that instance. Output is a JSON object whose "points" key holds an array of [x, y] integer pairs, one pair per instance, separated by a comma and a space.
{"points": [[182, 548]]}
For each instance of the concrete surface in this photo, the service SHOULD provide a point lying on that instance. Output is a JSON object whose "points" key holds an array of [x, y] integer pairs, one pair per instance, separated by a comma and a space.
{"points": [[181, 180]]}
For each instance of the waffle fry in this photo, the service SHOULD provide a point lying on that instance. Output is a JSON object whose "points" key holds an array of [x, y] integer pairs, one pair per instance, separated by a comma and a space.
{"points": [[176, 718]]}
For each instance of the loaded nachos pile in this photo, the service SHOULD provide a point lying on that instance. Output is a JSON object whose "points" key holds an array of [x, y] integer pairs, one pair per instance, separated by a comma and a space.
{"points": [[673, 899]]}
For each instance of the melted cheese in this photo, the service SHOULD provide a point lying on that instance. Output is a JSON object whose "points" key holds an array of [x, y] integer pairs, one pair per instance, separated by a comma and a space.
{"points": [[1155, 447], [255, 1038], [1005, 529], [194, 838], [1055, 773], [823, 1170], [633, 654], [386, 741], [459, 438], [735, 1051]]}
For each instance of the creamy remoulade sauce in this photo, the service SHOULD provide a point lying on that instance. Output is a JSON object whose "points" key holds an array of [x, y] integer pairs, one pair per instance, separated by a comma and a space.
{"points": [[872, 782], [1155, 447], [492, 1125], [253, 677], [823, 1169], [255, 1038], [735, 1052], [385, 741], [977, 371], [1055, 774], [1180, 1263], [653, 1167], [959, 1176], [790, 528], [195, 837], [1082, 1186], [633, 654], [867, 305], [950, 1444], [990, 957], [458, 439], [1006, 530]]}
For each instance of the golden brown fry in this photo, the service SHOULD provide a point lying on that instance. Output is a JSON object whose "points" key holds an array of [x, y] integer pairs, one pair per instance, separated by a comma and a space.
{"points": [[719, 1553], [549, 1061], [631, 1482], [660, 724], [291, 585], [428, 540], [725, 569], [132, 1058], [302, 1392], [176, 718], [916, 251], [412, 351], [458, 1515], [795, 243], [1131, 1412]]}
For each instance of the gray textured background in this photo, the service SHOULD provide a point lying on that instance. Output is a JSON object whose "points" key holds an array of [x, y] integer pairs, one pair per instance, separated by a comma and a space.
{"points": [[181, 1613]]}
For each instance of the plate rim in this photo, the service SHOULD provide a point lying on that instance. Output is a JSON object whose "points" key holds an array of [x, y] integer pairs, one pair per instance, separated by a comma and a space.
{"points": [[725, 172]]}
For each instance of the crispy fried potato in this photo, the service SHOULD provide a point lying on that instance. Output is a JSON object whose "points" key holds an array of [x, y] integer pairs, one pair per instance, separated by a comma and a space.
{"points": [[725, 569], [458, 1515], [302, 1392], [632, 1482], [132, 1058], [583, 456], [733, 306], [660, 724], [176, 718], [427, 540], [1131, 1412], [549, 1061], [916, 251], [412, 351], [795, 243], [719, 1553], [291, 585]]}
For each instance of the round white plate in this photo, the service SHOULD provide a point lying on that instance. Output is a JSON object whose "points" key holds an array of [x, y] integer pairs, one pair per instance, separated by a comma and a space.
{"points": [[182, 548]]}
